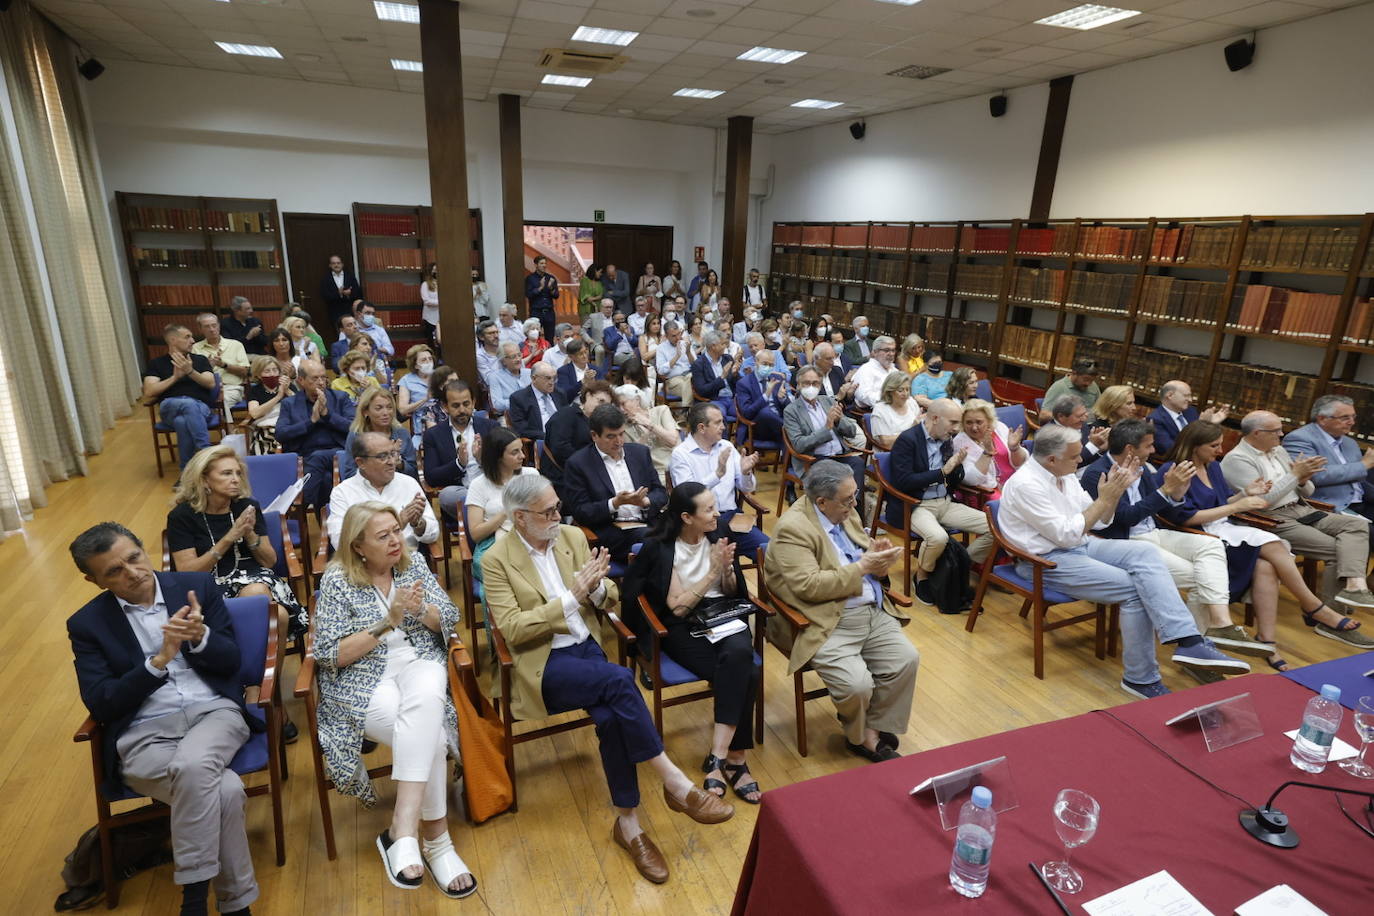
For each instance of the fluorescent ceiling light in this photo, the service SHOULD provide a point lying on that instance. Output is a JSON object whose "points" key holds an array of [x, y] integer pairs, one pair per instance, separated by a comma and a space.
{"points": [[412, 65], [771, 55], [556, 79], [230, 47], [700, 93], [603, 36], [817, 103], [396, 12], [1087, 16], [901, 2]]}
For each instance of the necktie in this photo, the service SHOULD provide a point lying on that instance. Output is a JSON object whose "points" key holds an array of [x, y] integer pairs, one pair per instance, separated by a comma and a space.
{"points": [[872, 589], [1181, 422]]}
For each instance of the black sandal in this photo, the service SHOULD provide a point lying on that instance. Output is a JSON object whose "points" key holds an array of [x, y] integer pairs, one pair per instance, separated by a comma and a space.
{"points": [[1280, 665], [736, 771], [712, 762]]}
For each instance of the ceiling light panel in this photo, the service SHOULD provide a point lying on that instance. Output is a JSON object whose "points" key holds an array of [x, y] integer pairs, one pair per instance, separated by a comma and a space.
{"points": [[230, 47], [700, 93], [771, 55], [1087, 16], [557, 79], [901, 2], [414, 66], [396, 12], [816, 103], [603, 36]]}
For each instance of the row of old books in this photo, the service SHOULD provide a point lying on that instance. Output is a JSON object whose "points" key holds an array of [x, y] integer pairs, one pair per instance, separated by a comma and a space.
{"points": [[977, 281], [1028, 346], [400, 225], [240, 221], [1110, 243], [1248, 387], [1193, 244], [168, 257], [1358, 329], [1102, 293], [258, 294], [889, 238], [395, 258], [1038, 285], [932, 279], [887, 272], [248, 259], [173, 294], [1300, 247], [1055, 240], [167, 219], [1106, 353], [1150, 368], [985, 240], [1257, 308], [1194, 302], [393, 292], [400, 317], [958, 335]]}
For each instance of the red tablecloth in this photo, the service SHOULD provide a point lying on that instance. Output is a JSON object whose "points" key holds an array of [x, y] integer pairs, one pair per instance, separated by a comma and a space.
{"points": [[856, 842]]}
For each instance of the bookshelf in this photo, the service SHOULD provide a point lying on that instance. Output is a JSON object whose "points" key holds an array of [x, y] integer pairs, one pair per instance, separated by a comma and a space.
{"points": [[1257, 311], [188, 255], [395, 243]]}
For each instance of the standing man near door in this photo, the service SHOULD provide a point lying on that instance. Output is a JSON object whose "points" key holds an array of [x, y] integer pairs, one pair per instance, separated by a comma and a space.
{"points": [[339, 290], [541, 289], [616, 284]]}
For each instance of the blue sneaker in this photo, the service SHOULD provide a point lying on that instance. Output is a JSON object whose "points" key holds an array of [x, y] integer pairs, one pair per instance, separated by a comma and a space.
{"points": [[1146, 691], [1206, 656]]}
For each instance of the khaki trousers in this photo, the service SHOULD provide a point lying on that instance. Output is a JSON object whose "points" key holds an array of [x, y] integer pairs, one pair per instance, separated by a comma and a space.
{"points": [[933, 516], [682, 387], [1341, 541], [869, 667], [1197, 563]]}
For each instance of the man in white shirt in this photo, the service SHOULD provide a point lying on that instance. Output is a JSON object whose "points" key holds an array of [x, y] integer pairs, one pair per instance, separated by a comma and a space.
{"points": [[640, 316], [511, 331], [1045, 511], [226, 355], [754, 293], [674, 365], [868, 380], [377, 457], [488, 350], [557, 355], [371, 325], [705, 456]]}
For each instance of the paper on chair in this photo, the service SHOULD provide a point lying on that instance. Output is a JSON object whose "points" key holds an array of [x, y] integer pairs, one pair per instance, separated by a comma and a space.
{"points": [[1280, 900], [1156, 895], [286, 497], [717, 633], [1339, 749]]}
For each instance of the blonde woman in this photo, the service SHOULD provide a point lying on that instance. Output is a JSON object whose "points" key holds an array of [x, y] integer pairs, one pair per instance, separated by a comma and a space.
{"points": [[378, 367], [354, 377], [376, 413], [1116, 402], [381, 621], [991, 451], [413, 390], [267, 388], [216, 526], [302, 347], [895, 412], [911, 358]]}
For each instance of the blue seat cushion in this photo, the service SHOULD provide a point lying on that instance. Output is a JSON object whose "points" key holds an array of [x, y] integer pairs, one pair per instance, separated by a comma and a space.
{"points": [[212, 423], [673, 674], [251, 758], [1008, 574]]}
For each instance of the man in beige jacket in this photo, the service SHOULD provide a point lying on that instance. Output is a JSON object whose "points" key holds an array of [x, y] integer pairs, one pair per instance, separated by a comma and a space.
{"points": [[822, 564], [543, 587]]}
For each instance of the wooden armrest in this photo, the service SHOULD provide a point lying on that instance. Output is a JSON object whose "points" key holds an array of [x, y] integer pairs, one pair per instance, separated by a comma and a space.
{"points": [[976, 489], [1020, 554], [293, 559], [459, 653], [622, 632], [749, 500], [647, 610], [1259, 521], [503, 655], [87, 731], [436, 550], [267, 689], [591, 535], [306, 675], [1318, 504], [792, 617], [321, 558], [898, 598]]}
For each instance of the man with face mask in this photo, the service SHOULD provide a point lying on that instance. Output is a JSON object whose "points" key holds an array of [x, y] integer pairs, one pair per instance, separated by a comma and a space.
{"points": [[932, 383], [763, 395], [371, 325], [557, 355], [816, 425], [857, 348], [740, 331], [755, 296]]}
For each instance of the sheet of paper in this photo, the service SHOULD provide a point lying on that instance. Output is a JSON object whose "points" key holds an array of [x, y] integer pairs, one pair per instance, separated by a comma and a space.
{"points": [[1279, 901], [1339, 749], [716, 634], [286, 497], [1156, 895]]}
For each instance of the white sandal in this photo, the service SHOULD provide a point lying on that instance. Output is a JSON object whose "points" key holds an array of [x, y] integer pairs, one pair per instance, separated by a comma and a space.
{"points": [[398, 855], [445, 865]]}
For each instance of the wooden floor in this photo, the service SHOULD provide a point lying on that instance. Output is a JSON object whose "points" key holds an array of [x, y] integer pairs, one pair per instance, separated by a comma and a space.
{"points": [[555, 854]]}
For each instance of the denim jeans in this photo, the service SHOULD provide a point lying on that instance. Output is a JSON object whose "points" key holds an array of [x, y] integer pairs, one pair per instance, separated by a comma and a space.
{"points": [[1129, 573], [188, 417]]}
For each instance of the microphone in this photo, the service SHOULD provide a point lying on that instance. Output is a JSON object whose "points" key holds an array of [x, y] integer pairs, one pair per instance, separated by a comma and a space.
{"points": [[1270, 825]]}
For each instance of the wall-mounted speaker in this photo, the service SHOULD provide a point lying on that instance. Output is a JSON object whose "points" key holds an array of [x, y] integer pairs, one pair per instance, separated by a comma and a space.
{"points": [[997, 106], [1239, 54], [856, 130], [90, 68]]}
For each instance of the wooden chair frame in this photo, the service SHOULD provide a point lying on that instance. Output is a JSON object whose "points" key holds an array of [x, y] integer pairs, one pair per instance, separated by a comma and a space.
{"points": [[165, 440]]}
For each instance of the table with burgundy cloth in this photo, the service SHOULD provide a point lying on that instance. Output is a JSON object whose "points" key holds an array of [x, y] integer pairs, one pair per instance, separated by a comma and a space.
{"points": [[857, 842]]}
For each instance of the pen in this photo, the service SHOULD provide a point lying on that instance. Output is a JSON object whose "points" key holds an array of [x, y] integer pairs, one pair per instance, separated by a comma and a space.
{"points": [[1057, 899]]}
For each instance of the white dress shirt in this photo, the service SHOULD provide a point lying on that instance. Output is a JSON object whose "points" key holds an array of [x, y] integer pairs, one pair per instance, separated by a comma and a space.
{"points": [[487, 363], [547, 407], [671, 361], [338, 279], [868, 383], [555, 357], [636, 322], [514, 333], [691, 462], [397, 494], [1041, 513], [621, 482], [187, 688], [818, 413], [551, 577]]}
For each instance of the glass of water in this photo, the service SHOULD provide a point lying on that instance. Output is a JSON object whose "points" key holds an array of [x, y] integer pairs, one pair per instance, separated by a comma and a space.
{"points": [[1364, 724], [1075, 820]]}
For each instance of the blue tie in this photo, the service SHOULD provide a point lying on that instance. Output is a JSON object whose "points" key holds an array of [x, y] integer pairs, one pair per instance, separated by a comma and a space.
{"points": [[846, 549]]}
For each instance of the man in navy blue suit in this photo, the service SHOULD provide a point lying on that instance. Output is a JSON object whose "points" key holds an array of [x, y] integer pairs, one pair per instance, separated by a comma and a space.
{"points": [[164, 685], [339, 289], [531, 408], [1176, 411], [541, 289], [762, 396], [611, 486], [713, 372], [452, 449], [348, 326], [575, 371], [314, 423]]}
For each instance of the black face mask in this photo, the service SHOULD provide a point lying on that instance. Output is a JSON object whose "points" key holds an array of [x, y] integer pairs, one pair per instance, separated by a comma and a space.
{"points": [[935, 367]]}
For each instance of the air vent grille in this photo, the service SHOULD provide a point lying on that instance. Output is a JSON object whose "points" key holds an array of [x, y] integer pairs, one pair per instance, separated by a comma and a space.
{"points": [[918, 72], [581, 62]]}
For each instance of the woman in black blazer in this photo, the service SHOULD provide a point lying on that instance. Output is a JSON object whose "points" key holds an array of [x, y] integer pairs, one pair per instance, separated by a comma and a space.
{"points": [[680, 565]]}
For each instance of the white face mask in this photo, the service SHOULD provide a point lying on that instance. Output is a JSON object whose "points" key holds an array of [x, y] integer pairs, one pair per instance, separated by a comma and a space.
{"points": [[357, 373], [424, 367], [811, 392], [532, 333], [821, 329]]}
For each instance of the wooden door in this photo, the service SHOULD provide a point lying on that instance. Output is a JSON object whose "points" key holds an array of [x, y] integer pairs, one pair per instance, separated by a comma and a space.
{"points": [[311, 239], [630, 247]]}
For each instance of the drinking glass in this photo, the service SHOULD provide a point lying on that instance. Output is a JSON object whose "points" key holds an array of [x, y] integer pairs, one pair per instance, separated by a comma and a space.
{"points": [[1364, 724], [1075, 820]]}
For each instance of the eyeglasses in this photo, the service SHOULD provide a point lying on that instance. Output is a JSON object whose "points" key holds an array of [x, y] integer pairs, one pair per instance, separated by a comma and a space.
{"points": [[850, 500], [555, 511], [386, 456], [1277, 429]]}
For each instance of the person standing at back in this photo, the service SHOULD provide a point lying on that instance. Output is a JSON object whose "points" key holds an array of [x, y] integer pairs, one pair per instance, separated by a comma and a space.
{"points": [[339, 289], [541, 290]]}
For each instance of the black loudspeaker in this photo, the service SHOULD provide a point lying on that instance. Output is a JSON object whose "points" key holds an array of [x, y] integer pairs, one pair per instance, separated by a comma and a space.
{"points": [[4, 5], [1239, 54], [997, 105], [856, 130], [91, 68]]}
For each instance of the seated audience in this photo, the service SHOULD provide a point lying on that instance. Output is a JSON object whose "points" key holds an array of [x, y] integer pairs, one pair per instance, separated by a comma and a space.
{"points": [[511, 330], [962, 385], [502, 460], [822, 564], [796, 348], [926, 466], [684, 567], [931, 384], [216, 527], [653, 427], [1176, 411], [817, 426], [1341, 542], [620, 342], [431, 413], [1114, 404], [1345, 481], [348, 326], [857, 349], [576, 371], [895, 411], [557, 355], [911, 356], [568, 430], [535, 344], [412, 392], [243, 327], [452, 448], [762, 395], [266, 390], [869, 377], [376, 457], [552, 622], [612, 486], [531, 408], [371, 325], [488, 350], [636, 373], [1081, 382], [353, 379], [279, 347], [600, 318], [834, 382], [376, 413], [639, 318], [509, 377], [991, 451], [381, 657], [314, 424], [144, 630], [733, 351], [1045, 512], [753, 344], [295, 311], [1068, 411], [183, 385], [227, 358], [707, 458], [302, 347], [673, 364], [1197, 562], [379, 366], [713, 372]]}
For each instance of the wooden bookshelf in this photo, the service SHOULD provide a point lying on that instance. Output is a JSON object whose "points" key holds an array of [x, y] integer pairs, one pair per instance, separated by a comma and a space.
{"points": [[1279, 306], [395, 243], [188, 255]]}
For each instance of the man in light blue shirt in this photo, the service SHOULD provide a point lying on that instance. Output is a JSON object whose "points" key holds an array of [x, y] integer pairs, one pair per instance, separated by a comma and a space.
{"points": [[509, 377], [369, 324], [1346, 480], [705, 456], [673, 364]]}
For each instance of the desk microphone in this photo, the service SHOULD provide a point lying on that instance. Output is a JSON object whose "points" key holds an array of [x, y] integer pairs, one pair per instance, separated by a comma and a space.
{"points": [[1270, 825]]}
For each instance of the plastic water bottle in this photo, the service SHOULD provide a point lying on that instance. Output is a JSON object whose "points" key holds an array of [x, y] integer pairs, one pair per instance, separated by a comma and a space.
{"points": [[968, 868], [1320, 721]]}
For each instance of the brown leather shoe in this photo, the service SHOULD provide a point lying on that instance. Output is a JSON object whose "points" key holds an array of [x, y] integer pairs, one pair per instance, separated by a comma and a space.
{"points": [[701, 806], [648, 860]]}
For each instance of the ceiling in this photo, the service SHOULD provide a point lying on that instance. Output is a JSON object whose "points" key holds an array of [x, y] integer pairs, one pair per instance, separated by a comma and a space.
{"points": [[851, 45]]}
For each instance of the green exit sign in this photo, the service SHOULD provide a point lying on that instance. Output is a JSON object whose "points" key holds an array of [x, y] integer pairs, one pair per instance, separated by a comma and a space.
{"points": [[599, 216]]}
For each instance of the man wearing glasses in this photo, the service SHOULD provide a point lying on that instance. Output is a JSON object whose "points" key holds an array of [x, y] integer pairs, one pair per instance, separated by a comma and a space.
{"points": [[1345, 482], [378, 457], [868, 379]]}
